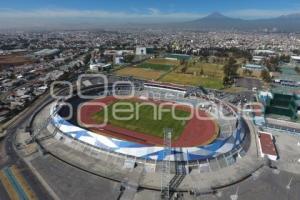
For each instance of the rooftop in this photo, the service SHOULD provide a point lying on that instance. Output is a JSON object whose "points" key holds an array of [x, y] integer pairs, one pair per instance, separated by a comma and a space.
{"points": [[267, 145], [46, 52], [253, 66], [286, 90], [295, 57]]}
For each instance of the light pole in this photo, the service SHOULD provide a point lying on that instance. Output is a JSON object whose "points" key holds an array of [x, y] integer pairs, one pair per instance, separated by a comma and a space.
{"points": [[298, 144], [235, 196], [288, 186], [219, 194]]}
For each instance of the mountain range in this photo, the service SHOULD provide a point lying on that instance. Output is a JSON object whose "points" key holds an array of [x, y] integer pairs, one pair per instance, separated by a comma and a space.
{"points": [[216, 22]]}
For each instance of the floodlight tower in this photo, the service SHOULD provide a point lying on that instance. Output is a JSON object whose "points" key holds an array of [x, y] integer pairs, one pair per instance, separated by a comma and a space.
{"points": [[166, 164]]}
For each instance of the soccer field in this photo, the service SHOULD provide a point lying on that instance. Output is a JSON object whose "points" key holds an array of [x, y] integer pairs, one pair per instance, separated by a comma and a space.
{"points": [[160, 67], [189, 79], [143, 119], [142, 73]]}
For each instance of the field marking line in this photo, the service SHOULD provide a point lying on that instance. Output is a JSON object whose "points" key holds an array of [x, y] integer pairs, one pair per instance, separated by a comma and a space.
{"points": [[8, 187]]}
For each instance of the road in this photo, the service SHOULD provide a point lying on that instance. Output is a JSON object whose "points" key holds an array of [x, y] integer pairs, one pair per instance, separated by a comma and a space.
{"points": [[10, 158]]}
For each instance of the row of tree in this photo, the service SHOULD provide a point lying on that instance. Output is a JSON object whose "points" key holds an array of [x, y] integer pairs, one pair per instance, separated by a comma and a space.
{"points": [[230, 71]]}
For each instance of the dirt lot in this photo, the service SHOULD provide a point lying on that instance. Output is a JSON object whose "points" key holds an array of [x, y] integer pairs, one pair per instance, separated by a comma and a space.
{"points": [[13, 60], [143, 73]]}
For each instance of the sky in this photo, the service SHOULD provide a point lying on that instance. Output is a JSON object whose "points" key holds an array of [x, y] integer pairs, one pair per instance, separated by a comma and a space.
{"points": [[18, 12]]}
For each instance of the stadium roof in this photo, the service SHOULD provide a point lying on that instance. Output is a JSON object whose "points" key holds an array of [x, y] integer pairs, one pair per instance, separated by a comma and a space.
{"points": [[47, 52], [295, 57], [178, 56], [253, 66]]}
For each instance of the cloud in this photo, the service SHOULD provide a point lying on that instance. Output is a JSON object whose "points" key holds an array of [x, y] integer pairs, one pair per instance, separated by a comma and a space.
{"points": [[136, 14], [10, 18], [73, 13], [154, 11], [75, 18]]}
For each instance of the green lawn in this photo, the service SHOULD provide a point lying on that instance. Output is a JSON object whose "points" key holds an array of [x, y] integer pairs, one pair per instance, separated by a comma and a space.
{"points": [[146, 123], [153, 66], [189, 79], [198, 73]]}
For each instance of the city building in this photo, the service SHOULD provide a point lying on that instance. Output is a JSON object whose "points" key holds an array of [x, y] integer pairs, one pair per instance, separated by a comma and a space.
{"points": [[258, 59], [264, 52], [266, 146], [295, 60], [100, 67], [46, 53], [254, 67]]}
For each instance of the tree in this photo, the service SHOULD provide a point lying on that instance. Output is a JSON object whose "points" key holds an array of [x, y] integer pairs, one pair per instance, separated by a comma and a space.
{"points": [[285, 58], [227, 81], [265, 75], [128, 58], [201, 71], [87, 58], [184, 69], [182, 62], [230, 71], [247, 72], [12, 76], [297, 69], [272, 63]]}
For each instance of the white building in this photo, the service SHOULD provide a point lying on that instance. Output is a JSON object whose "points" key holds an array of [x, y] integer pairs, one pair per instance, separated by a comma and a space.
{"points": [[47, 52], [295, 59], [117, 52], [264, 52], [253, 67], [257, 59], [99, 66], [140, 51], [118, 60]]}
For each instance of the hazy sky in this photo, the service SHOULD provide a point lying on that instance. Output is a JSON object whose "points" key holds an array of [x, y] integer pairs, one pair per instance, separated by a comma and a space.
{"points": [[40, 12]]}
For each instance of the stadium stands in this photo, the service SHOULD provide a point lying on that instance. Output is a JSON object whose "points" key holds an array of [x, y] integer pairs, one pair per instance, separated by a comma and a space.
{"points": [[282, 104], [228, 143]]}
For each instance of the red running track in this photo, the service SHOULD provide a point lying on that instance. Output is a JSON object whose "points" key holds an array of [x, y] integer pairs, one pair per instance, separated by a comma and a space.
{"points": [[197, 132]]}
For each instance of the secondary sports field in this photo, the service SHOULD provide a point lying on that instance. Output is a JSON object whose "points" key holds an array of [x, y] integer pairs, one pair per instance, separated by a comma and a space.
{"points": [[198, 72], [190, 79], [142, 73], [14, 60], [152, 69], [159, 64], [192, 132], [159, 67], [202, 73], [144, 118]]}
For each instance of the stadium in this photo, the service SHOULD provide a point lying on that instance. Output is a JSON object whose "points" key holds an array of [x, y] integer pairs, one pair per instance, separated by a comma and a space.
{"points": [[217, 134]]}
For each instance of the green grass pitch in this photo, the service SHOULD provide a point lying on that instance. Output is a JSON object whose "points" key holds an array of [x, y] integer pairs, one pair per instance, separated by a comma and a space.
{"points": [[161, 67], [145, 123]]}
